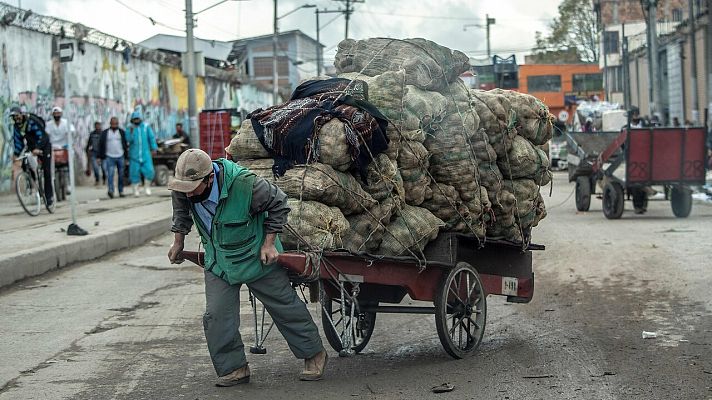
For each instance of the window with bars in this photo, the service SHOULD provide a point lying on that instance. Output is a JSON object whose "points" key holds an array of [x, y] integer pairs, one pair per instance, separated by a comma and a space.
{"points": [[262, 66], [677, 14], [544, 83], [610, 42], [587, 82]]}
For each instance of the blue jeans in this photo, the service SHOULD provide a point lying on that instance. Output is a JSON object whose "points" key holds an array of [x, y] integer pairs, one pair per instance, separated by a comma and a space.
{"points": [[97, 167], [112, 164]]}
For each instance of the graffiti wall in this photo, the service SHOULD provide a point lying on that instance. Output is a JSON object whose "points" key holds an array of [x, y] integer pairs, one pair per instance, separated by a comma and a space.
{"points": [[101, 83]]}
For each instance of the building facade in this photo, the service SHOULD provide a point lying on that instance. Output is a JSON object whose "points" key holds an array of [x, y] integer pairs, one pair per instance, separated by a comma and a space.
{"points": [[296, 59]]}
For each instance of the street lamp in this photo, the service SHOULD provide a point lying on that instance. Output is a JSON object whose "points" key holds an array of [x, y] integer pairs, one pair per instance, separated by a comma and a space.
{"points": [[489, 21], [275, 74]]}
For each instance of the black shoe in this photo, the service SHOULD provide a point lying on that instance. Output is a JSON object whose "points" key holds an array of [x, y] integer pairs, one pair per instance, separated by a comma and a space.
{"points": [[50, 203], [122, 195], [111, 195], [75, 230]]}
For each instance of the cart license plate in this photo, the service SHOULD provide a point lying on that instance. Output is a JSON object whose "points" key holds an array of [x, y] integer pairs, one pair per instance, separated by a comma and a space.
{"points": [[351, 278], [510, 286]]}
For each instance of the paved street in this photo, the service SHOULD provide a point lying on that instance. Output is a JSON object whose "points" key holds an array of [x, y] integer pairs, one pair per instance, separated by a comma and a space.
{"points": [[128, 326]]}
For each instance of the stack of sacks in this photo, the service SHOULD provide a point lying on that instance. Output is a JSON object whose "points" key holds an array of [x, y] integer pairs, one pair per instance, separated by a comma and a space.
{"points": [[458, 159]]}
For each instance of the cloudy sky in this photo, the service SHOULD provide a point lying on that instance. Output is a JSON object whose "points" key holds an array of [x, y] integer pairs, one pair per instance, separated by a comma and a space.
{"points": [[439, 20]]}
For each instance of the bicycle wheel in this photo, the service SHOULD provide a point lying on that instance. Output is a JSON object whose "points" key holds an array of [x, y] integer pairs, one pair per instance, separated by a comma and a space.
{"points": [[28, 193], [50, 207]]}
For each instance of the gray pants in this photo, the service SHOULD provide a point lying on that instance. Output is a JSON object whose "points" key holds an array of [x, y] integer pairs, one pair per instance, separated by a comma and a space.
{"points": [[222, 319]]}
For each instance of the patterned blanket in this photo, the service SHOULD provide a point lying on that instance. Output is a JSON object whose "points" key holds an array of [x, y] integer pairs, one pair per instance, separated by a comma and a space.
{"points": [[289, 131]]}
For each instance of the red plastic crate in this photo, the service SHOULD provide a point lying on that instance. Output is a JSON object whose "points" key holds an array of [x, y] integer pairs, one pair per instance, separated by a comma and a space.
{"points": [[214, 132]]}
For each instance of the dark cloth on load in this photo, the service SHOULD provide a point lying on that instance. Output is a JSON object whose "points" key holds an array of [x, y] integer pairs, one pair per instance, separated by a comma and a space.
{"points": [[289, 132]]}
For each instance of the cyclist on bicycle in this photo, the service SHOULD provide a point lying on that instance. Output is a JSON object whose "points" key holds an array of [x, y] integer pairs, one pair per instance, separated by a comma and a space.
{"points": [[29, 131]]}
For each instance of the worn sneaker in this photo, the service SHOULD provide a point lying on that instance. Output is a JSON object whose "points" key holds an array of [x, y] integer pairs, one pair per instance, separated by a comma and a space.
{"points": [[122, 195], [314, 367], [148, 190], [236, 377], [111, 195]]}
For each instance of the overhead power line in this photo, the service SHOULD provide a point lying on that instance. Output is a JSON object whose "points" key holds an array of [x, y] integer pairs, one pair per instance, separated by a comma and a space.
{"points": [[151, 19]]}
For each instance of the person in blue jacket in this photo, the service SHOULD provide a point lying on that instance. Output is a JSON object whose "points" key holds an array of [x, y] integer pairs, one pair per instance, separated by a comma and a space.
{"points": [[142, 145]]}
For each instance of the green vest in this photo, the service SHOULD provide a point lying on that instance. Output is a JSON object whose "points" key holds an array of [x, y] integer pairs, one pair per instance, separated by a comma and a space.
{"points": [[232, 250]]}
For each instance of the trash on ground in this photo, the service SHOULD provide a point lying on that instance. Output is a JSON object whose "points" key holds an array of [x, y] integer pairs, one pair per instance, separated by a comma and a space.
{"points": [[649, 335]]}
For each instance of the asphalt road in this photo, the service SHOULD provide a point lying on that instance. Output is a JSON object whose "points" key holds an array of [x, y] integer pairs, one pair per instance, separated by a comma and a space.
{"points": [[129, 326]]}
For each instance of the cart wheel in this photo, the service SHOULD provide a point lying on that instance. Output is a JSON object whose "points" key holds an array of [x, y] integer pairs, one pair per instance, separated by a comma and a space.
{"points": [[461, 311], [162, 174], [613, 200], [361, 328], [681, 201], [583, 193]]}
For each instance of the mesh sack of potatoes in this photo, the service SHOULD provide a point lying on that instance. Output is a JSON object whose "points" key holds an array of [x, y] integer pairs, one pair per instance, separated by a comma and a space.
{"points": [[445, 204], [245, 145], [384, 180], [366, 229], [504, 225], [317, 182], [496, 117], [426, 64], [334, 149], [320, 225], [422, 109], [410, 231], [416, 184], [529, 203], [385, 91], [534, 121], [525, 160]]}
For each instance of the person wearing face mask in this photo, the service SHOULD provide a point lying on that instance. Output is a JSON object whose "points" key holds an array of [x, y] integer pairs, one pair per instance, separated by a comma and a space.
{"points": [[142, 145], [238, 217], [59, 130]]}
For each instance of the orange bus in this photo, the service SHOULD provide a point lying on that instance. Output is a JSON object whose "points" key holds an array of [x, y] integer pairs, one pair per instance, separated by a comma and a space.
{"points": [[560, 86]]}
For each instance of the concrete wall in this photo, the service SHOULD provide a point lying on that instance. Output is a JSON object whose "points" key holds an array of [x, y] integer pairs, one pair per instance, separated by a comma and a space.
{"points": [[101, 84]]}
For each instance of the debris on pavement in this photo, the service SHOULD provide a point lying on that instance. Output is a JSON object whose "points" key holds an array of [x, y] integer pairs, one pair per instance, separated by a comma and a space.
{"points": [[538, 376], [444, 388], [649, 335]]}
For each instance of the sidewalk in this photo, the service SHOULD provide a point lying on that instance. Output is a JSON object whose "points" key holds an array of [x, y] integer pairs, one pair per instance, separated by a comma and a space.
{"points": [[32, 246]]}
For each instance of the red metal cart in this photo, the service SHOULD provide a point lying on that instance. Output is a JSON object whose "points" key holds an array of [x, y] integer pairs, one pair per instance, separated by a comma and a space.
{"points": [[674, 158], [459, 274]]}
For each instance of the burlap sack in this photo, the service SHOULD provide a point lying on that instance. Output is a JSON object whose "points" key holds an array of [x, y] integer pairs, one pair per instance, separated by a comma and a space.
{"points": [[426, 64], [534, 121], [320, 225], [384, 180], [366, 229], [524, 160], [333, 147], [410, 231], [317, 182], [245, 145]]}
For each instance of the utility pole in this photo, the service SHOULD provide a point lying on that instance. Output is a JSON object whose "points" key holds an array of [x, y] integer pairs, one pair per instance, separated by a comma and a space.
{"points": [[693, 53], [275, 76], [626, 68], [709, 62], [490, 21], [653, 56], [190, 66], [319, 51], [347, 13]]}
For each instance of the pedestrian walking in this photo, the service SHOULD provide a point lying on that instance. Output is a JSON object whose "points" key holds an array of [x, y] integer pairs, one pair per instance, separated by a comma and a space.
{"points": [[142, 145], [238, 217], [113, 149], [92, 151], [59, 130]]}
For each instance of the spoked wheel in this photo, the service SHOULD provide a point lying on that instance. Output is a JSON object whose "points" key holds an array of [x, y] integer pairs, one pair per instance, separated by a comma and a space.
{"points": [[40, 183], [340, 327], [613, 200], [681, 201], [461, 311], [583, 193], [28, 193], [162, 175]]}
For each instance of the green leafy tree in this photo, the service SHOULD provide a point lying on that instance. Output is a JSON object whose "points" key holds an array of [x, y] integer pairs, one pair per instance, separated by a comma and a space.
{"points": [[575, 29]]}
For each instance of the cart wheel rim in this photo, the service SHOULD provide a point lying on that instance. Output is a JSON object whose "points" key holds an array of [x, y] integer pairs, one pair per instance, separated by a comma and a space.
{"points": [[461, 311], [340, 327]]}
